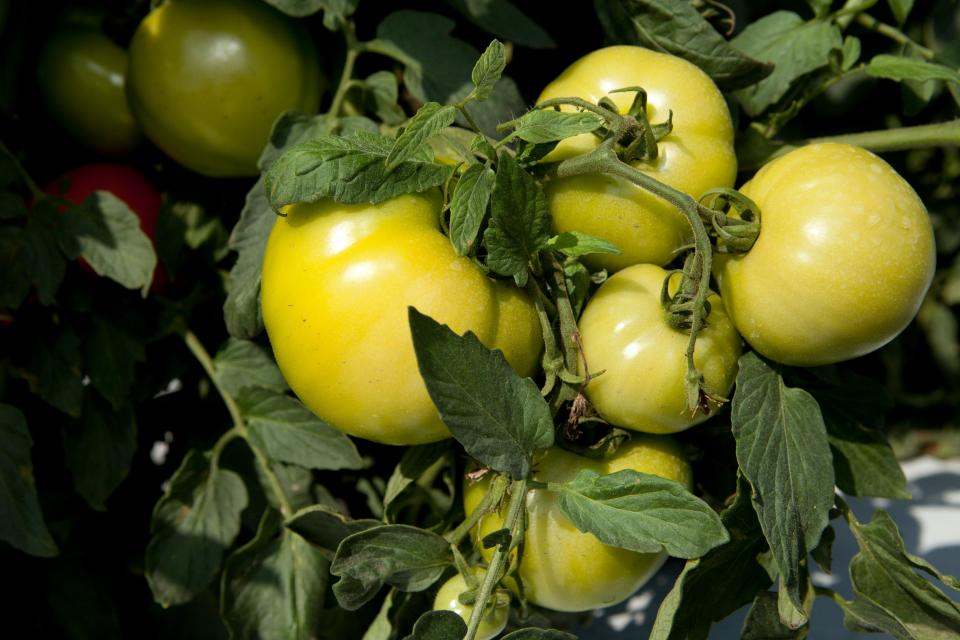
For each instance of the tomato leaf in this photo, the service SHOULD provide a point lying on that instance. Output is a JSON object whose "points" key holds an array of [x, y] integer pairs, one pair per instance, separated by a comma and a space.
{"points": [[438, 625], [576, 244], [429, 120], [641, 512], [707, 591], [42, 238], [763, 621], [469, 206], [402, 556], [272, 587], [795, 48], [533, 633], [889, 595], [111, 240], [498, 417], [289, 432], [503, 19], [900, 9], [547, 125], [902, 68], [382, 94], [349, 170], [15, 279], [325, 528], [21, 521], [519, 221], [56, 370], [414, 462], [193, 525], [783, 451], [676, 27], [242, 363], [487, 71], [111, 353], [241, 309], [99, 449]]}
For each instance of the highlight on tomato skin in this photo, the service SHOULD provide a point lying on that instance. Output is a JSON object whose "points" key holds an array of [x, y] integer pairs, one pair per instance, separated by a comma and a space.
{"points": [[843, 261]]}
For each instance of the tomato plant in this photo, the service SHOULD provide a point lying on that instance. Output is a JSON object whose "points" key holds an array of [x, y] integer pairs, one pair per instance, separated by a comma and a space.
{"points": [[843, 260], [696, 155], [339, 329], [81, 74], [626, 336], [565, 569], [207, 80], [448, 599]]}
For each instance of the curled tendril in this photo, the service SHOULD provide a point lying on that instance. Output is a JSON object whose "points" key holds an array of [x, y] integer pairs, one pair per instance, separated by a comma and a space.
{"points": [[735, 233]]}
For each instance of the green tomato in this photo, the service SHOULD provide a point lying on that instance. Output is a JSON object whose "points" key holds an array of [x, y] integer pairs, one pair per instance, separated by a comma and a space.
{"points": [[696, 156], [643, 359], [563, 568], [208, 78], [337, 281], [80, 74], [448, 599], [842, 263]]}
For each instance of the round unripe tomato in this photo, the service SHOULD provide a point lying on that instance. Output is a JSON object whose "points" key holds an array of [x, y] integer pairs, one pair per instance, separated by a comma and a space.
{"points": [[81, 74], [842, 263], [124, 182], [448, 599], [563, 568], [625, 334], [208, 78], [696, 156], [337, 281]]}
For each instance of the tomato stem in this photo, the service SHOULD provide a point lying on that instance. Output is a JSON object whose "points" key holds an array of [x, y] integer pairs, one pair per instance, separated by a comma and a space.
{"points": [[354, 49], [869, 22], [513, 522], [491, 499]]}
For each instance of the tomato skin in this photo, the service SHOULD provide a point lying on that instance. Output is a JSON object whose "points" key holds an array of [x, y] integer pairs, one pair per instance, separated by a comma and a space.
{"points": [[447, 599], [337, 281], [565, 569], [696, 156], [81, 75], [624, 334], [844, 258], [208, 78]]}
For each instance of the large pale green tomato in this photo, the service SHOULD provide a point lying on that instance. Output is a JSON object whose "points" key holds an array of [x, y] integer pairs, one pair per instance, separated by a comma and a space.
{"points": [[208, 78], [81, 72], [843, 261], [696, 156], [337, 281], [448, 599], [643, 359], [566, 569]]}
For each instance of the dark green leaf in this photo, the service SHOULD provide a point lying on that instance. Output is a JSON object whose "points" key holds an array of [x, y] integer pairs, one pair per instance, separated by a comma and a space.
{"points": [[502, 19], [298, 8], [193, 525], [641, 512], [296, 483], [533, 633], [498, 417], [414, 462], [289, 432], [381, 89], [241, 311], [241, 363], [335, 12], [14, 278], [99, 449], [889, 594], [783, 451], [900, 9], [576, 244], [111, 240], [794, 46], [547, 125], [906, 68], [326, 528], [21, 521], [676, 27], [12, 206], [469, 206], [273, 586], [55, 371], [349, 170], [402, 556], [503, 104], [488, 70], [430, 119], [519, 221], [438, 625], [707, 590], [823, 552], [763, 621], [111, 354], [44, 260]]}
